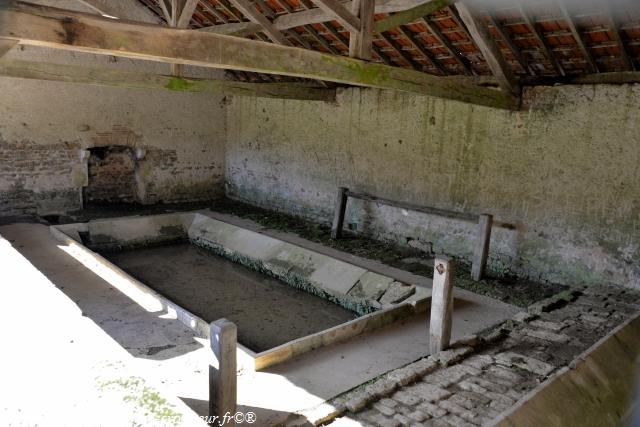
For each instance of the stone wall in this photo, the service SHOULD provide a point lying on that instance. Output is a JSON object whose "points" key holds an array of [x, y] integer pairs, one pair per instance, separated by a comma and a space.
{"points": [[561, 176], [46, 129]]}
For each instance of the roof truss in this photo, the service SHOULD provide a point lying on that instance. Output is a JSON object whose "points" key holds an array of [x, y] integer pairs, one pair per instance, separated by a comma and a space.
{"points": [[87, 33]]}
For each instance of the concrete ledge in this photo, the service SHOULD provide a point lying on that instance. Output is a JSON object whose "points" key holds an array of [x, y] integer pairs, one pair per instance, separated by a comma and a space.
{"points": [[300, 267], [595, 390]]}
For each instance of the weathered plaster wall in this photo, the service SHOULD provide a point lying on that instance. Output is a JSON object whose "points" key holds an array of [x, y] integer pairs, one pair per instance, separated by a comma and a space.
{"points": [[46, 128], [565, 171]]}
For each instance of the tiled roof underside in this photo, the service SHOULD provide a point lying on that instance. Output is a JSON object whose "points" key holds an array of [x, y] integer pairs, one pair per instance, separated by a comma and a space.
{"points": [[535, 36]]}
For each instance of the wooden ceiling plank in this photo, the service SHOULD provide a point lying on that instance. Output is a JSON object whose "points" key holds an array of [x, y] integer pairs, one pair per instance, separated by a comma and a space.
{"points": [[489, 48], [43, 26]]}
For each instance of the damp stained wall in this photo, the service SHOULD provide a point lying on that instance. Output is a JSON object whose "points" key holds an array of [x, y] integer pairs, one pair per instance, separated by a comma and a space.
{"points": [[564, 172], [47, 128]]}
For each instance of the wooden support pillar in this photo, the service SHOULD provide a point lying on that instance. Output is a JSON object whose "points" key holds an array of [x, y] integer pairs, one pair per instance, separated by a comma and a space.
{"points": [[481, 249], [441, 305], [223, 389], [361, 42], [338, 215]]}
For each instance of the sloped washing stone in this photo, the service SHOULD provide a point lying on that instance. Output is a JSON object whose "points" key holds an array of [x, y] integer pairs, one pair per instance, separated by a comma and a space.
{"points": [[396, 293], [337, 276], [370, 286]]}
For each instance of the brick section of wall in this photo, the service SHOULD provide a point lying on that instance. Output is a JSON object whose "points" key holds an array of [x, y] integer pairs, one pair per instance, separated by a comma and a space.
{"points": [[38, 178], [111, 175]]}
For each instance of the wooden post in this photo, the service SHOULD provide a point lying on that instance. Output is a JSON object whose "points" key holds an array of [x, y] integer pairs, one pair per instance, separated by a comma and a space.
{"points": [[441, 305], [223, 379], [481, 250], [361, 42], [340, 209]]}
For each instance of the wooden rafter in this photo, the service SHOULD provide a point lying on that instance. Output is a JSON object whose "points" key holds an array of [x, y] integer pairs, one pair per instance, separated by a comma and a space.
{"points": [[617, 37], [593, 67], [213, 11], [423, 51], [186, 13], [166, 10], [539, 37], [397, 48], [43, 26], [512, 46], [489, 48], [444, 40]]}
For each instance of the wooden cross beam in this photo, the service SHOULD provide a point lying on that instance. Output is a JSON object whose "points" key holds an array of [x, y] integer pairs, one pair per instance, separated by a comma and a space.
{"points": [[413, 9], [410, 15], [143, 81], [254, 15], [43, 26], [340, 13]]}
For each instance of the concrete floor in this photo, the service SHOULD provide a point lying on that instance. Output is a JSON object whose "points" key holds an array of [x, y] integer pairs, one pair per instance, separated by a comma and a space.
{"points": [[162, 351], [266, 311]]}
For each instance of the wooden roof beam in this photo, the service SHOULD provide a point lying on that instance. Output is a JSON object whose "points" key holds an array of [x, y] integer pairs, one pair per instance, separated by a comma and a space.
{"points": [[61, 29], [489, 48]]}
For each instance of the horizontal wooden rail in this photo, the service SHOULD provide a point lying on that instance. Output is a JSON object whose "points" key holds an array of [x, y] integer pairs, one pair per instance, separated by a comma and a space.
{"points": [[483, 232], [411, 207]]}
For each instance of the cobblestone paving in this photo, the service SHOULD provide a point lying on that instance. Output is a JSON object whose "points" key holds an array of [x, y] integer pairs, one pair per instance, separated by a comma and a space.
{"points": [[484, 376]]}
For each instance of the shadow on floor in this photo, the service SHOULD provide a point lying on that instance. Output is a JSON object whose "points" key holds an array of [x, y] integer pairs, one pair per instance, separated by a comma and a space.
{"points": [[144, 334]]}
